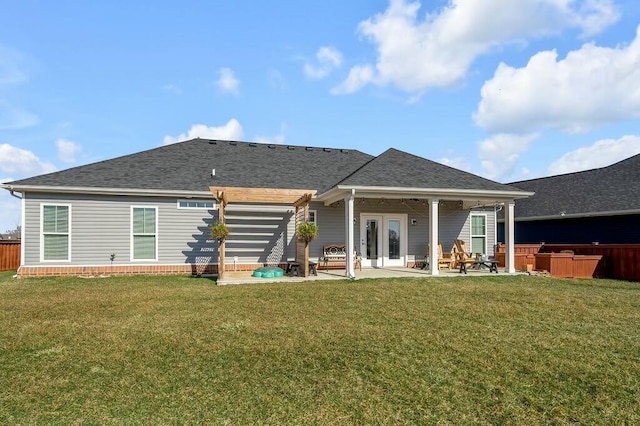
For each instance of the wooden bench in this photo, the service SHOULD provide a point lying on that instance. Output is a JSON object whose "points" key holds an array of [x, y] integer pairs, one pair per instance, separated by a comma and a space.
{"points": [[336, 253]]}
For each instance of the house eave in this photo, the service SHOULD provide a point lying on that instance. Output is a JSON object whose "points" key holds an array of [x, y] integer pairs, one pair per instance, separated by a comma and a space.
{"points": [[104, 191], [573, 215], [476, 195]]}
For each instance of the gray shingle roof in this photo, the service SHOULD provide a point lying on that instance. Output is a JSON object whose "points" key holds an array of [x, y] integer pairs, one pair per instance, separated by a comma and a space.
{"points": [[394, 168], [186, 166], [609, 189]]}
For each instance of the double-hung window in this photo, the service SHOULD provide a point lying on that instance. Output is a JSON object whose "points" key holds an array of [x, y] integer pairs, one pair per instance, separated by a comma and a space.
{"points": [[144, 233], [56, 225], [479, 233]]}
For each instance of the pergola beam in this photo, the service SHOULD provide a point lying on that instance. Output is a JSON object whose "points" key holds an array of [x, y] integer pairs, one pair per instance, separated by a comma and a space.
{"points": [[261, 195]]}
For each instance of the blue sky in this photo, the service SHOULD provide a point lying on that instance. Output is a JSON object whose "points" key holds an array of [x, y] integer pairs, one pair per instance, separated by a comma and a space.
{"points": [[508, 90]]}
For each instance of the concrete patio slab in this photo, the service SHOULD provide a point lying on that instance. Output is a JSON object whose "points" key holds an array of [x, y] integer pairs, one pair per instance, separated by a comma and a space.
{"points": [[339, 274]]}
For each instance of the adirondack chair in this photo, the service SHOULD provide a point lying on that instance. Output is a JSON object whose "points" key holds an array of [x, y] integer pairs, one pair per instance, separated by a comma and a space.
{"points": [[444, 259], [462, 255]]}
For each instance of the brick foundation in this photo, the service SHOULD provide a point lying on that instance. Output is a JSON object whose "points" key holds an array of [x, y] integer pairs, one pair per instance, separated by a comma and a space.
{"points": [[126, 270]]}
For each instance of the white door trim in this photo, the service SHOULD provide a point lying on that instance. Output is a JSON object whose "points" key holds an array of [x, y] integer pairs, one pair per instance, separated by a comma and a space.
{"points": [[383, 259]]}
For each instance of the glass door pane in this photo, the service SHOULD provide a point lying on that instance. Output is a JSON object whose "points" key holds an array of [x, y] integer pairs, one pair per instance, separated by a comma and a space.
{"points": [[372, 239], [394, 238]]}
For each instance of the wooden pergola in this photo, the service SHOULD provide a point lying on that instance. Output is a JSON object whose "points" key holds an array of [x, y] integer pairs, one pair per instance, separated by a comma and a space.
{"points": [[299, 198]]}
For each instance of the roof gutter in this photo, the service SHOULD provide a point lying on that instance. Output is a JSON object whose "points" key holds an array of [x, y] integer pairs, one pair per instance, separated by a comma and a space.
{"points": [[573, 216], [104, 191], [489, 196]]}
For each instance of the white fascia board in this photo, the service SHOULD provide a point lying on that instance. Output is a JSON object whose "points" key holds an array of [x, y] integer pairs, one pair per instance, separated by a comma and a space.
{"points": [[105, 191], [339, 192], [573, 215]]}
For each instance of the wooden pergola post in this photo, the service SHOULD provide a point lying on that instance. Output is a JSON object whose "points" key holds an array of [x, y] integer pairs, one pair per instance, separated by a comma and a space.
{"points": [[302, 247], [220, 196]]}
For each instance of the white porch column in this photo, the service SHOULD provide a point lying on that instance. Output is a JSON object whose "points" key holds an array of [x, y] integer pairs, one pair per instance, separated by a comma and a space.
{"points": [[509, 231], [350, 247], [433, 236]]}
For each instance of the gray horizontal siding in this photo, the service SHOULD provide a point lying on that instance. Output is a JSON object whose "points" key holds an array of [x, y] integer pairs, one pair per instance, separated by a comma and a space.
{"points": [[101, 226], [454, 223], [259, 233]]}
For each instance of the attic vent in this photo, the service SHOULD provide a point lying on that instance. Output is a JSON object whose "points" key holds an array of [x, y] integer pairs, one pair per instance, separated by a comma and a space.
{"points": [[309, 148], [253, 144], [326, 149], [272, 146], [213, 143], [291, 147], [344, 150], [233, 143]]}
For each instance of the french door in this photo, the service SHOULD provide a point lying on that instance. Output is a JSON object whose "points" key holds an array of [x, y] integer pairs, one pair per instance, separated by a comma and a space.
{"points": [[383, 240]]}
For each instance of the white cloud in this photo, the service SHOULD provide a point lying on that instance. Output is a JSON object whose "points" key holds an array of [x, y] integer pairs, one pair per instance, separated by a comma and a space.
{"points": [[329, 58], [358, 77], [13, 117], [230, 131], [67, 150], [227, 82], [20, 162], [500, 153], [416, 54], [602, 153], [459, 163], [591, 86]]}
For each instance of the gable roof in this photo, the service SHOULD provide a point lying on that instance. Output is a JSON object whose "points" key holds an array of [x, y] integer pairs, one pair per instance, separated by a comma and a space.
{"points": [[186, 168], [598, 192], [398, 169]]}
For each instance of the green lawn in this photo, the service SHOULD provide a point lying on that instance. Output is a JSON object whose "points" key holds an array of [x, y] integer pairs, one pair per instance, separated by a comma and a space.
{"points": [[175, 350]]}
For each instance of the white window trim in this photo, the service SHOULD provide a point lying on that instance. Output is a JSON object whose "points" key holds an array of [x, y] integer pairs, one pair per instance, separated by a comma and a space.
{"points": [[486, 229], [42, 205], [179, 207], [131, 234]]}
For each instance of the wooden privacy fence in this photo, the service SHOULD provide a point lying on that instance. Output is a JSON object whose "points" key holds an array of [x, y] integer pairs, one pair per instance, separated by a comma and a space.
{"points": [[9, 255]]}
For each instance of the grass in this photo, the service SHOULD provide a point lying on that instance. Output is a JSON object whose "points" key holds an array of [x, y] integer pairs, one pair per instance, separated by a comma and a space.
{"points": [[467, 350]]}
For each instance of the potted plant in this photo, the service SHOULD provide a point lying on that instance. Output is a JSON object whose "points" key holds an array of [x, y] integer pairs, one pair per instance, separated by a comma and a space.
{"points": [[219, 231], [307, 231]]}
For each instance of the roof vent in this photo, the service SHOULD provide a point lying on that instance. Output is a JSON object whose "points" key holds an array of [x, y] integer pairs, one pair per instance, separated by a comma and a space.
{"points": [[291, 147], [213, 143], [326, 149], [272, 146], [213, 172], [309, 148], [233, 143], [253, 144]]}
